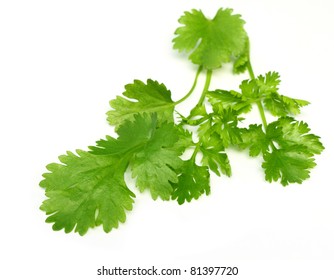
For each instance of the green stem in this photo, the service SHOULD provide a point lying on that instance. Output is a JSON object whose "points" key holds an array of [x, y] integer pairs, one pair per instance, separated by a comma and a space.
{"points": [[193, 157], [262, 114], [206, 87], [169, 105], [250, 69], [192, 88], [258, 103]]}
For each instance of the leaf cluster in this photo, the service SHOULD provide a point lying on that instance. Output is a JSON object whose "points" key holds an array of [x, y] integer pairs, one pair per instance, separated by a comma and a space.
{"points": [[172, 156]]}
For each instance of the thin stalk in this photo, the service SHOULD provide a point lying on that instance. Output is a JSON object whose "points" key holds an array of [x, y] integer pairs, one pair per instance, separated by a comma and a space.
{"points": [[250, 69], [193, 157], [262, 114], [169, 105], [206, 87], [192, 88], [258, 103]]}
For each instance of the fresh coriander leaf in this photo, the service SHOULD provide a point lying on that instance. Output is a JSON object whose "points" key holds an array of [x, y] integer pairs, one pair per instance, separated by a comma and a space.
{"points": [[155, 170], [197, 112], [154, 152], [280, 105], [151, 97], [211, 42], [269, 83], [142, 127], [255, 139], [205, 132], [222, 99], [240, 64], [212, 148], [155, 164], [292, 151], [297, 133], [256, 89], [184, 140], [225, 124], [274, 132], [221, 125], [250, 90], [275, 105], [193, 181], [85, 191], [214, 156], [260, 141], [197, 115], [291, 164], [265, 88]]}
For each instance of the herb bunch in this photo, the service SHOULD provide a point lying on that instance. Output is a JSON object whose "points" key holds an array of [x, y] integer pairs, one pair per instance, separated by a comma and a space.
{"points": [[87, 188]]}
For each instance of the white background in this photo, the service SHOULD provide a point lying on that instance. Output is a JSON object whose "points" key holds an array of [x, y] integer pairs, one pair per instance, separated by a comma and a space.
{"points": [[60, 64]]}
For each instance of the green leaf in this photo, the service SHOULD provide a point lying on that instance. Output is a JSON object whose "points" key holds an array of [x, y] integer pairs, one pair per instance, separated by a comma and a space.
{"points": [[297, 133], [287, 147], [256, 89], [213, 150], [274, 132], [269, 83], [154, 152], [133, 135], [214, 156], [141, 98], [155, 164], [211, 42], [193, 181], [85, 191], [88, 189], [280, 105], [226, 126], [222, 99], [197, 115], [265, 89], [250, 90], [184, 140], [241, 63], [292, 150], [255, 139], [291, 165]]}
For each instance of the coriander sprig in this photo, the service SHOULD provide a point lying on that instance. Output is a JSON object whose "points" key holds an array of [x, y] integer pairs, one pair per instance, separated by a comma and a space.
{"points": [[87, 188]]}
